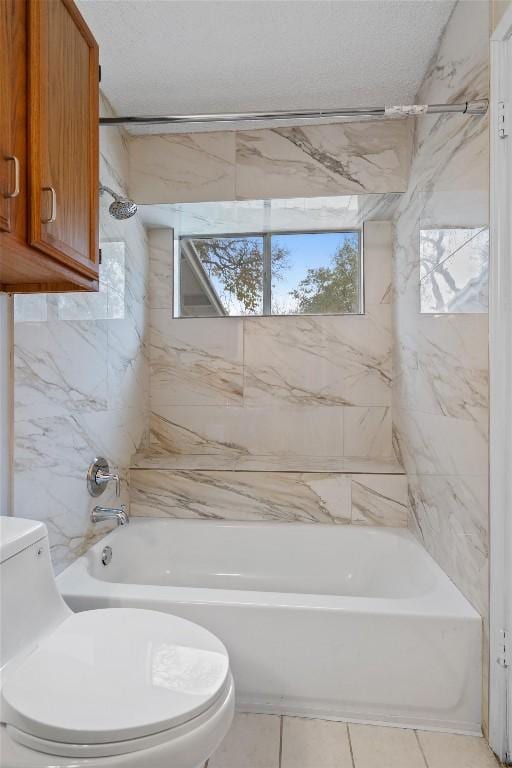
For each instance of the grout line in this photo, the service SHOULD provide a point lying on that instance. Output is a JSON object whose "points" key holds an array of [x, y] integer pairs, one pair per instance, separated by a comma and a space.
{"points": [[350, 746], [280, 740], [421, 748]]}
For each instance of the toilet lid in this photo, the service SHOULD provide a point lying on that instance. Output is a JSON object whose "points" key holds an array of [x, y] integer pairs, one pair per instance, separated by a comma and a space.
{"points": [[114, 674]]}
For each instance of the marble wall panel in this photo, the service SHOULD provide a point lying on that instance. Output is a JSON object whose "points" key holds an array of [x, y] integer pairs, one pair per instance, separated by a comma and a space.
{"points": [[450, 515], [59, 367], [367, 432], [323, 160], [183, 167], [311, 161], [195, 361], [161, 247], [440, 391], [446, 373], [81, 380], [378, 239], [323, 360], [380, 500], [281, 496], [238, 431], [441, 445]]}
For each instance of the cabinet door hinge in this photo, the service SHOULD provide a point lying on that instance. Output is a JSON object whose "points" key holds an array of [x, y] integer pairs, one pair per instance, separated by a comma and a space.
{"points": [[99, 73], [502, 119], [99, 255], [504, 649]]}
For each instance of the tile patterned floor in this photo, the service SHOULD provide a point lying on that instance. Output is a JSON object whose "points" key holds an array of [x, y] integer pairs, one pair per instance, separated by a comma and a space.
{"points": [[270, 741]]}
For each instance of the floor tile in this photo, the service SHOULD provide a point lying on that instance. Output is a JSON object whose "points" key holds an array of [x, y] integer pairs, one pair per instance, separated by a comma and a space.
{"points": [[314, 744], [252, 742], [446, 750], [375, 747]]}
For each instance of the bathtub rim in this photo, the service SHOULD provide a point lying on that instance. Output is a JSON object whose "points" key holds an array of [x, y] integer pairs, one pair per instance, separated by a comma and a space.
{"points": [[444, 600]]}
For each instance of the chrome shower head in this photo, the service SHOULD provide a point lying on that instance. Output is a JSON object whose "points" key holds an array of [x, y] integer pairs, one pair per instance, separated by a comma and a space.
{"points": [[121, 208]]}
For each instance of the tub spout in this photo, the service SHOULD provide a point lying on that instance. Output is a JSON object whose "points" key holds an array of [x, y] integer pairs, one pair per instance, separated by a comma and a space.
{"points": [[100, 514]]}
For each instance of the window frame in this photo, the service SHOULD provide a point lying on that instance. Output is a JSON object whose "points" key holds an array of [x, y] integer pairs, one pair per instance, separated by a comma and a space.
{"points": [[267, 271]]}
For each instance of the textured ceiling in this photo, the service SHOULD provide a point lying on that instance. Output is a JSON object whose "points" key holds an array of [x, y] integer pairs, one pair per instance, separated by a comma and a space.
{"points": [[171, 56]]}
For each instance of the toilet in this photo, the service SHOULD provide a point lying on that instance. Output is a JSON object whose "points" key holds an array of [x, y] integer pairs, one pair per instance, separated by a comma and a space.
{"points": [[105, 688]]}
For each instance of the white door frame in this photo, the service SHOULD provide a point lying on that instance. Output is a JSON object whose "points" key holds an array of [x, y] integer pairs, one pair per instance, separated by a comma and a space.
{"points": [[500, 319]]}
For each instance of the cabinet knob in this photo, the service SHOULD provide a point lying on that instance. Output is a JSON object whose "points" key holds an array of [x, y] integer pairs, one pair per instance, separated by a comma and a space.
{"points": [[53, 209], [15, 192]]}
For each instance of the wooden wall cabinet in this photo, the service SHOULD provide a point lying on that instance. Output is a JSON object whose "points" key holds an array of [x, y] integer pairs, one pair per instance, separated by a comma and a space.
{"points": [[49, 150]]}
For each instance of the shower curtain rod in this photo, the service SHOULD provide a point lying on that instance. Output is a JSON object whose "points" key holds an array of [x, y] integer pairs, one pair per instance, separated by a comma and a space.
{"points": [[478, 107]]}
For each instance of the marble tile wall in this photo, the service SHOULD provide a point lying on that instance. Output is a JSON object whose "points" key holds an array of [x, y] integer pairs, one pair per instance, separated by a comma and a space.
{"points": [[440, 394], [282, 418], [321, 497], [440, 403], [81, 379], [350, 158], [498, 8], [317, 386], [276, 399]]}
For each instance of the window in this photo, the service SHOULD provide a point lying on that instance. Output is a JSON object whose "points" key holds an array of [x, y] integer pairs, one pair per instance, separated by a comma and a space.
{"points": [[270, 274], [454, 270]]}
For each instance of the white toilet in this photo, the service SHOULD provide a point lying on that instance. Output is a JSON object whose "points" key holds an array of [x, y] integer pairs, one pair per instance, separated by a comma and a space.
{"points": [[114, 687]]}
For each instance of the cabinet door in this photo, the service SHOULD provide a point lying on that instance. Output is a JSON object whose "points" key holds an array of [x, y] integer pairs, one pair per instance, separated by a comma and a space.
{"points": [[13, 129], [63, 135]]}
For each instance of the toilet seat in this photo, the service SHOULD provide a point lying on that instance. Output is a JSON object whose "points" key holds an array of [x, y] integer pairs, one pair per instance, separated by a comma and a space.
{"points": [[73, 695], [220, 710]]}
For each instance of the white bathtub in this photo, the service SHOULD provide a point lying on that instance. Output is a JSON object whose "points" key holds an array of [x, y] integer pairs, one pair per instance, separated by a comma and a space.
{"points": [[340, 622]]}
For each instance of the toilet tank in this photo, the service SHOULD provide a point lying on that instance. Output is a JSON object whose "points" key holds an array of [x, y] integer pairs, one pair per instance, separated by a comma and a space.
{"points": [[30, 602]]}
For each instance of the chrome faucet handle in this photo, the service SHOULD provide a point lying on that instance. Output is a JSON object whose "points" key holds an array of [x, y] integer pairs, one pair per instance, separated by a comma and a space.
{"points": [[98, 475], [102, 478]]}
